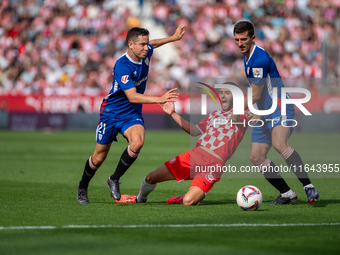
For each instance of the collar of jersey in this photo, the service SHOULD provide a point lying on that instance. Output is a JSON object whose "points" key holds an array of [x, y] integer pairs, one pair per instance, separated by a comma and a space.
{"points": [[251, 54], [135, 62], [227, 112]]}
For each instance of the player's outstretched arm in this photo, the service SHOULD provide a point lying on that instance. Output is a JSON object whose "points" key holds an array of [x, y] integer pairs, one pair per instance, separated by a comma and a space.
{"points": [[137, 98], [180, 31], [191, 129]]}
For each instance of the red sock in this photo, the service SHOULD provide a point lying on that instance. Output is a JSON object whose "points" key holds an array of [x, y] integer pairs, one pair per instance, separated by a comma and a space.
{"points": [[175, 200]]}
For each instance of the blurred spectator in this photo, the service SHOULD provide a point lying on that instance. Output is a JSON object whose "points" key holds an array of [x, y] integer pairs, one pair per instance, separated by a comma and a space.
{"points": [[69, 47]]}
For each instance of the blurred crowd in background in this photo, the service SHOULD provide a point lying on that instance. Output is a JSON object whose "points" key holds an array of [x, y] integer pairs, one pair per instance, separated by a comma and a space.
{"points": [[69, 47]]}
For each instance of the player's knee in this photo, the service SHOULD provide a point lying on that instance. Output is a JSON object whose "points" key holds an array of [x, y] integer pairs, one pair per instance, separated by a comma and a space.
{"points": [[256, 159], [149, 179], [98, 159], [280, 147], [136, 145], [190, 200]]}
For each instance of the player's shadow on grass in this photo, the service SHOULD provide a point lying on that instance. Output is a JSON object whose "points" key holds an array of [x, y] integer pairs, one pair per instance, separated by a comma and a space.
{"points": [[217, 202], [102, 202], [319, 203], [322, 202]]}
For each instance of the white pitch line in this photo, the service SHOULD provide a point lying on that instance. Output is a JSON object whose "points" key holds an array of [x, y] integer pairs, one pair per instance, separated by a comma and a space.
{"points": [[171, 226]]}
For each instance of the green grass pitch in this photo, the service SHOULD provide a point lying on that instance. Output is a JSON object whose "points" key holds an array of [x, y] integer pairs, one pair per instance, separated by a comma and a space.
{"points": [[39, 174]]}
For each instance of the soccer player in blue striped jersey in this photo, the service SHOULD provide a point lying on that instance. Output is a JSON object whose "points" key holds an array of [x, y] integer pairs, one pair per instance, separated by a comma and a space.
{"points": [[121, 109], [263, 76]]}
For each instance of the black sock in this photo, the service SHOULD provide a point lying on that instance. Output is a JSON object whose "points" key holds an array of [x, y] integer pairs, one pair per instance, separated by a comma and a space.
{"points": [[87, 175], [275, 179], [296, 165], [124, 163]]}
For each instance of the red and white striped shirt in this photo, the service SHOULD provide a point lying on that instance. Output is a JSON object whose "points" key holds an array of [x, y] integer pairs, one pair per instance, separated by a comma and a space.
{"points": [[219, 136]]}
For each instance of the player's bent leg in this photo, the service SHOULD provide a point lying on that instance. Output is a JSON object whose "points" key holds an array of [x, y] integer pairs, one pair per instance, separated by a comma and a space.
{"points": [[100, 153], [280, 136], [193, 196], [267, 167], [200, 186], [91, 166], [161, 174], [149, 182], [258, 152], [135, 135], [148, 185]]}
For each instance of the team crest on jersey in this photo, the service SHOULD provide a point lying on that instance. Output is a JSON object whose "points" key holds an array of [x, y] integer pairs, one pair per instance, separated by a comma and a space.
{"points": [[258, 72], [146, 61], [248, 69], [125, 79], [135, 73]]}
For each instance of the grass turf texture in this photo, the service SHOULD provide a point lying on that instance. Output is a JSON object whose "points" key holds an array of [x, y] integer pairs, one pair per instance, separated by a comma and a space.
{"points": [[40, 173]]}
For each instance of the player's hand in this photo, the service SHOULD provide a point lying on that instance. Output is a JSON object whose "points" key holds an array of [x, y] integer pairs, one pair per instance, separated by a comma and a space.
{"points": [[180, 31], [169, 96], [168, 107], [235, 118], [253, 118]]}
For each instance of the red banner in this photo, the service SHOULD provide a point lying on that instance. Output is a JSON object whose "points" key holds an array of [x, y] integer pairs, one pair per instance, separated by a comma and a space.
{"points": [[51, 104], [71, 104]]}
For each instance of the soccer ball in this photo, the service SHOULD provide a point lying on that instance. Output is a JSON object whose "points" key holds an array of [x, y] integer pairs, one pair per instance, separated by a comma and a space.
{"points": [[249, 198]]}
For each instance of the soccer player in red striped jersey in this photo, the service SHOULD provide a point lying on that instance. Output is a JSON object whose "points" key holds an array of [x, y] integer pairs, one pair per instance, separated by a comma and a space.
{"points": [[219, 140]]}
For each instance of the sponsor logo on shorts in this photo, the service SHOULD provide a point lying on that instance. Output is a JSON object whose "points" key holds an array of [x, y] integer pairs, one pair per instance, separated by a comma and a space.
{"points": [[210, 178], [125, 79], [100, 136], [172, 161], [275, 120]]}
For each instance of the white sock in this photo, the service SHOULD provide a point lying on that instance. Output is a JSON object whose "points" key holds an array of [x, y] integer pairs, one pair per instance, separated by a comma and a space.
{"points": [[308, 186], [145, 189], [289, 193]]}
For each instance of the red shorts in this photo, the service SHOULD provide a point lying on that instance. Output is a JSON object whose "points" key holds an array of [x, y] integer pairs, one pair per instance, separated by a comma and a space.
{"points": [[184, 167]]}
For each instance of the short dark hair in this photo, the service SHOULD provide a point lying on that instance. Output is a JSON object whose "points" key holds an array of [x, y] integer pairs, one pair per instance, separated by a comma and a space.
{"points": [[134, 32], [243, 26], [231, 83]]}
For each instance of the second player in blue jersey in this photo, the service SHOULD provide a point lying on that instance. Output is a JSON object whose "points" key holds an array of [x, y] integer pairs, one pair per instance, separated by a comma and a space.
{"points": [[263, 77]]}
